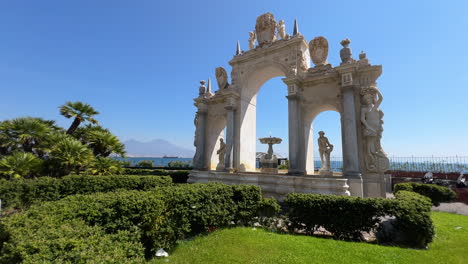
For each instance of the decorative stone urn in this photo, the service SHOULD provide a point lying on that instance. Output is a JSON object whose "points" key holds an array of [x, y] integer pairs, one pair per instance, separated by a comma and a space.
{"points": [[269, 162]]}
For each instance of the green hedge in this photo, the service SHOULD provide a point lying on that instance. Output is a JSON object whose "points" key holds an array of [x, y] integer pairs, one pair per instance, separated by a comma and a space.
{"points": [[22, 193], [347, 217], [178, 176], [437, 194], [413, 225], [131, 224]]}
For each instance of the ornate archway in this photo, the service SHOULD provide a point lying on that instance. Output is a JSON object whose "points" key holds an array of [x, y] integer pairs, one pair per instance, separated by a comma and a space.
{"points": [[350, 89]]}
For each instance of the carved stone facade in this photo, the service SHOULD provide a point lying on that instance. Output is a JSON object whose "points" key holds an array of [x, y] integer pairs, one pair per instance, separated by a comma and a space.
{"points": [[349, 89]]}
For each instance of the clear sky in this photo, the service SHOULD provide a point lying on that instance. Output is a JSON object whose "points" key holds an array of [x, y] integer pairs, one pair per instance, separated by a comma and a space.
{"points": [[139, 63]]}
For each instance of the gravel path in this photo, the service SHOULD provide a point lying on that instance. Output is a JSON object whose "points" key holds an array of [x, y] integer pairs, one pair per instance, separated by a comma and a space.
{"points": [[454, 208]]}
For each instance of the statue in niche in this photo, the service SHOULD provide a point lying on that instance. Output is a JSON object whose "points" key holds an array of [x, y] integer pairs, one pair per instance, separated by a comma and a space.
{"points": [[372, 121], [221, 152], [325, 148], [265, 28], [221, 78], [282, 30], [252, 39]]}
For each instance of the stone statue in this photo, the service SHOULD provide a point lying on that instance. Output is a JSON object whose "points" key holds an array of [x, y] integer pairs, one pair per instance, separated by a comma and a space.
{"points": [[345, 52], [202, 89], [371, 119], [265, 29], [252, 39], [196, 157], [282, 30], [221, 152], [318, 48], [325, 148], [221, 78]]}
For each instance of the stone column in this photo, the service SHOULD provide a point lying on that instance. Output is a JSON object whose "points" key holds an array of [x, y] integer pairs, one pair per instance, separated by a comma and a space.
{"points": [[296, 139], [228, 160], [200, 155], [349, 137]]}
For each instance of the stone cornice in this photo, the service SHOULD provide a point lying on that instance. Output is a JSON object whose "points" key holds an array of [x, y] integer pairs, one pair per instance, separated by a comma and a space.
{"points": [[273, 48]]}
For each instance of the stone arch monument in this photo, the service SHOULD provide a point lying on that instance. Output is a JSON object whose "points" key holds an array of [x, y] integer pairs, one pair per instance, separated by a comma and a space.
{"points": [[230, 113]]}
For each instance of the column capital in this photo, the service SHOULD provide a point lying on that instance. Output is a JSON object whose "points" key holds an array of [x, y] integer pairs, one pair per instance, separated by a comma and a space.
{"points": [[293, 97]]}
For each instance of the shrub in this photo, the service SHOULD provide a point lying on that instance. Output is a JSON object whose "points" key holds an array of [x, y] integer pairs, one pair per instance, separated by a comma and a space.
{"points": [[347, 217], [179, 164], [344, 216], [178, 176], [145, 164], [437, 194], [98, 228], [268, 207], [413, 224], [125, 224], [21, 193]]}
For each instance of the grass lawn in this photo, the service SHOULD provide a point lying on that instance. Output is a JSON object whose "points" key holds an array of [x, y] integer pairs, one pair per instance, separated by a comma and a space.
{"points": [[244, 245]]}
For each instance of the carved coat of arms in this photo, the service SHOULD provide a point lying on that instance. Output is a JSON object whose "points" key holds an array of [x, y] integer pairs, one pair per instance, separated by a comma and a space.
{"points": [[265, 29], [318, 48]]}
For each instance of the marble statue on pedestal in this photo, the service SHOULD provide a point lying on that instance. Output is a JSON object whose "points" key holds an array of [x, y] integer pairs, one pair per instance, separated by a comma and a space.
{"points": [[282, 30], [221, 78], [202, 89], [221, 152], [196, 158], [371, 118], [252, 39], [325, 148]]}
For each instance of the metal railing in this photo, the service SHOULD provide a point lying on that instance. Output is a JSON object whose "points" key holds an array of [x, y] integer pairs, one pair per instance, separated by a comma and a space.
{"points": [[412, 163]]}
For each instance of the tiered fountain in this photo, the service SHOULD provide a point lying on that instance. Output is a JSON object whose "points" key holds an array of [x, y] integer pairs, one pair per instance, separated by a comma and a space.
{"points": [[269, 162]]}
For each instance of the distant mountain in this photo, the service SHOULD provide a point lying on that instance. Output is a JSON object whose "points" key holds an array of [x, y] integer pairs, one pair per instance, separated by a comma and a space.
{"points": [[156, 148]]}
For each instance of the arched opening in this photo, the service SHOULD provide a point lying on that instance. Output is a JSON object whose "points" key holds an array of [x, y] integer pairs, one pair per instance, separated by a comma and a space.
{"points": [[272, 117], [330, 123], [247, 112]]}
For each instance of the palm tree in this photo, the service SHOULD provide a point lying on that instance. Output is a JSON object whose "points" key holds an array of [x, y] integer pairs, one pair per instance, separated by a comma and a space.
{"points": [[71, 155], [103, 144], [80, 111], [105, 166], [19, 165], [100, 140], [25, 133]]}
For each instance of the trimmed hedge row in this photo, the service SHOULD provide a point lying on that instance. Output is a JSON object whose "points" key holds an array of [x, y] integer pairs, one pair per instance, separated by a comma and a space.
{"points": [[178, 176], [437, 194], [347, 217], [132, 224], [22, 193]]}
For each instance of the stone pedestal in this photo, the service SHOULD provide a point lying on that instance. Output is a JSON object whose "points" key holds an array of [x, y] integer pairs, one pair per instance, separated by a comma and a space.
{"points": [[274, 185]]}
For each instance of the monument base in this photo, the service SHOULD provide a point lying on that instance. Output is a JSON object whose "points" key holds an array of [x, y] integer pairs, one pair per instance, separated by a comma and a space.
{"points": [[276, 185]]}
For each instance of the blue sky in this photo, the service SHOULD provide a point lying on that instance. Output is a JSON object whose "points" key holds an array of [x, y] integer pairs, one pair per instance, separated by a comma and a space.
{"points": [[139, 63]]}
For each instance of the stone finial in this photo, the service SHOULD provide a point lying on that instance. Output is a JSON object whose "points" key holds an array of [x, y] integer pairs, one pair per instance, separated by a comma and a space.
{"points": [[345, 52], [208, 88], [238, 49], [362, 55], [296, 28], [202, 89]]}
